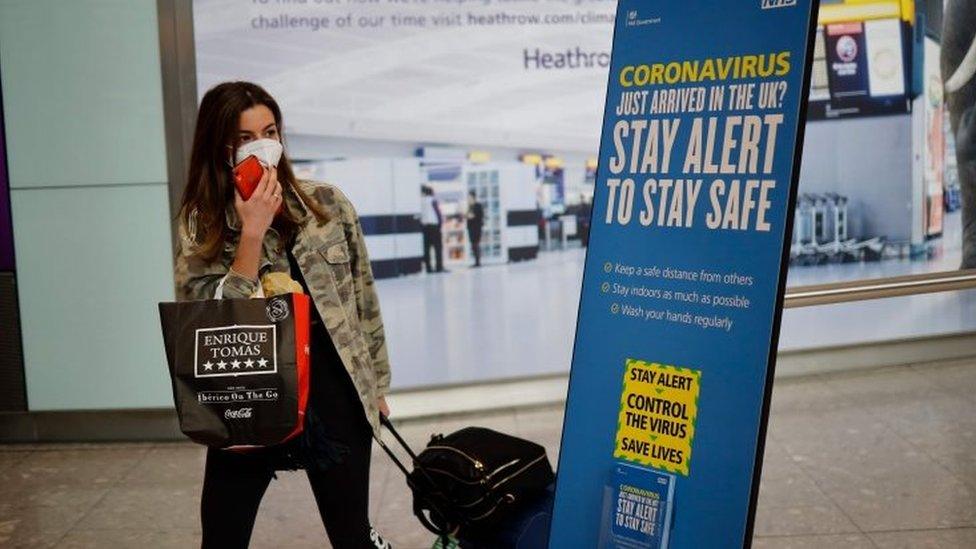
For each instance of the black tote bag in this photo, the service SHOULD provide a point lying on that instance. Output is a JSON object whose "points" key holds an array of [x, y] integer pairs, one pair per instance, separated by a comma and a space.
{"points": [[239, 368]]}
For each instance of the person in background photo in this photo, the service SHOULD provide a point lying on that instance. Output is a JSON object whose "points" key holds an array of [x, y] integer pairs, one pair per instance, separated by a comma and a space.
{"points": [[476, 220], [959, 75], [583, 218], [309, 234], [431, 220]]}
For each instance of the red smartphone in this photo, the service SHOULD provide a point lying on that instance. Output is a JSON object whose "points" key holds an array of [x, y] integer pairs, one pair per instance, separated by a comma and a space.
{"points": [[247, 175]]}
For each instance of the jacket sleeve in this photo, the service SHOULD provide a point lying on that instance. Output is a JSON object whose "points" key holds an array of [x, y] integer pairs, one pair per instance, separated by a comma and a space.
{"points": [[368, 304], [197, 278]]}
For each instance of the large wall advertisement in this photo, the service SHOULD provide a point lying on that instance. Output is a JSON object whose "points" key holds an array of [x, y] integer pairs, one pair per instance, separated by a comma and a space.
{"points": [[503, 99], [528, 76], [524, 74]]}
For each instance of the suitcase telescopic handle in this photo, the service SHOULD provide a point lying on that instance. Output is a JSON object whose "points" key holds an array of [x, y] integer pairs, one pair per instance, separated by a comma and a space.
{"points": [[385, 421], [379, 440], [413, 456], [443, 533]]}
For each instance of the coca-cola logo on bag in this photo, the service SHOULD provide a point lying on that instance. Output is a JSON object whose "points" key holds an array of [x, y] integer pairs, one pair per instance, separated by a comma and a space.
{"points": [[236, 351], [240, 413]]}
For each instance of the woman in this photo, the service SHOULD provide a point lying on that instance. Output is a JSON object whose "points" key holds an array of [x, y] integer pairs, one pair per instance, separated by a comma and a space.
{"points": [[228, 247]]}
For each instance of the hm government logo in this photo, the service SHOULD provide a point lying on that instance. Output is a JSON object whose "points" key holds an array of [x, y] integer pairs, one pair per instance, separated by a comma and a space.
{"points": [[633, 19], [230, 351], [770, 4]]}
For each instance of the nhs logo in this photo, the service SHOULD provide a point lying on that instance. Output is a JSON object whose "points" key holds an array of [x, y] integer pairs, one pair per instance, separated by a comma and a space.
{"points": [[770, 4]]}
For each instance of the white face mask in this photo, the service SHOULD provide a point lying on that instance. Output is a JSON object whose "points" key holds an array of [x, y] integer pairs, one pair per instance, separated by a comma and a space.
{"points": [[268, 151]]}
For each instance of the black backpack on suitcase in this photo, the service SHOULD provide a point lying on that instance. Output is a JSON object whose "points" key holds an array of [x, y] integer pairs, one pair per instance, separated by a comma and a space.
{"points": [[473, 479]]}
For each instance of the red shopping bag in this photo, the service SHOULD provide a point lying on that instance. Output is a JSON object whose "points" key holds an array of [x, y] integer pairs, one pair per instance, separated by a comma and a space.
{"points": [[239, 368]]}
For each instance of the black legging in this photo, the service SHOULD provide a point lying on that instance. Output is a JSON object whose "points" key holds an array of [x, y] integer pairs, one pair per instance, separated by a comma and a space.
{"points": [[234, 482]]}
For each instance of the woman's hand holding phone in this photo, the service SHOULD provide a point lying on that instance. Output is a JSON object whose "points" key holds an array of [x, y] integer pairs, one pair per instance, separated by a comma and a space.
{"points": [[256, 214], [258, 211]]}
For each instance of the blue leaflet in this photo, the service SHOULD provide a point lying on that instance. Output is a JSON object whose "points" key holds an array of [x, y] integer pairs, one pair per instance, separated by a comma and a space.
{"points": [[637, 508]]}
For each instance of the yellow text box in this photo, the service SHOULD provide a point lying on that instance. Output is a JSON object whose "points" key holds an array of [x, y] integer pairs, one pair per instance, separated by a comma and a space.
{"points": [[658, 409]]}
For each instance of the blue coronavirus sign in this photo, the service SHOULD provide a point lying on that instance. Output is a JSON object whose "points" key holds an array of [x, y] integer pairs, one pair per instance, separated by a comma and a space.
{"points": [[682, 291]]}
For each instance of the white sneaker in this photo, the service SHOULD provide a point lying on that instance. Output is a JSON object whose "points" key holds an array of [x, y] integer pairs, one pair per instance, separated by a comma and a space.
{"points": [[378, 541]]}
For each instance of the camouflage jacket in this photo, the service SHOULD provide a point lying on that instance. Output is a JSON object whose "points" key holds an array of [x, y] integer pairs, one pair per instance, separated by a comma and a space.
{"points": [[332, 257]]}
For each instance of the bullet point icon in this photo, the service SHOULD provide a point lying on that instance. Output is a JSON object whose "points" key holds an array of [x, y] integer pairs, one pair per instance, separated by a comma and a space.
{"points": [[605, 287], [607, 267], [615, 308]]}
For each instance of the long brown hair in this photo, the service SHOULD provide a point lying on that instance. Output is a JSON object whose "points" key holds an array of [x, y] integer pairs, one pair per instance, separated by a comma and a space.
{"points": [[209, 184]]}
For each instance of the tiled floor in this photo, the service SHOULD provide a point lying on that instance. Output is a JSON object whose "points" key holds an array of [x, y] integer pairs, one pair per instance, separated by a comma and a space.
{"points": [[884, 458]]}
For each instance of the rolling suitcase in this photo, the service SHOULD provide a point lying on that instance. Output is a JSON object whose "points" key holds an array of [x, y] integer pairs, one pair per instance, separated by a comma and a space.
{"points": [[526, 528], [475, 483]]}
